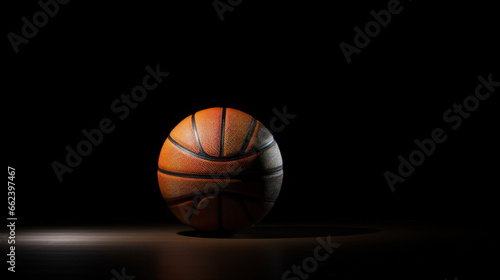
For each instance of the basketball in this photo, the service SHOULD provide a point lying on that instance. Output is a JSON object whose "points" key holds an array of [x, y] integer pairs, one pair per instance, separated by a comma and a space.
{"points": [[220, 169]]}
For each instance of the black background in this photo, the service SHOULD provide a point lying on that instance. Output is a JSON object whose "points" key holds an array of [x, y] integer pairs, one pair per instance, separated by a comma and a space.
{"points": [[352, 120]]}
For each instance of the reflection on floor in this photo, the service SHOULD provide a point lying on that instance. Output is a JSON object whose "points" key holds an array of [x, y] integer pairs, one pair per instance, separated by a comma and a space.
{"points": [[264, 252]]}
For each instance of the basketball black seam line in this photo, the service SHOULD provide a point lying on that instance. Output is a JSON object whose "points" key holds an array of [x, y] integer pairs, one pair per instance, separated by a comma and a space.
{"points": [[224, 176], [249, 215], [222, 131], [191, 197], [193, 124], [265, 145], [251, 131], [191, 212], [211, 158]]}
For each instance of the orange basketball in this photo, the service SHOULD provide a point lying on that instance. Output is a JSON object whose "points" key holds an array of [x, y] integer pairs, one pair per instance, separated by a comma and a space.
{"points": [[220, 170]]}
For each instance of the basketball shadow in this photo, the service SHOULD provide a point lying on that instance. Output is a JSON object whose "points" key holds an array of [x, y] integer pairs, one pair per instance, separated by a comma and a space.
{"points": [[282, 232]]}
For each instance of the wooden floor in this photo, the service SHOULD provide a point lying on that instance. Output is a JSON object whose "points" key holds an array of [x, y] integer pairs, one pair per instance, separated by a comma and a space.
{"points": [[263, 252]]}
